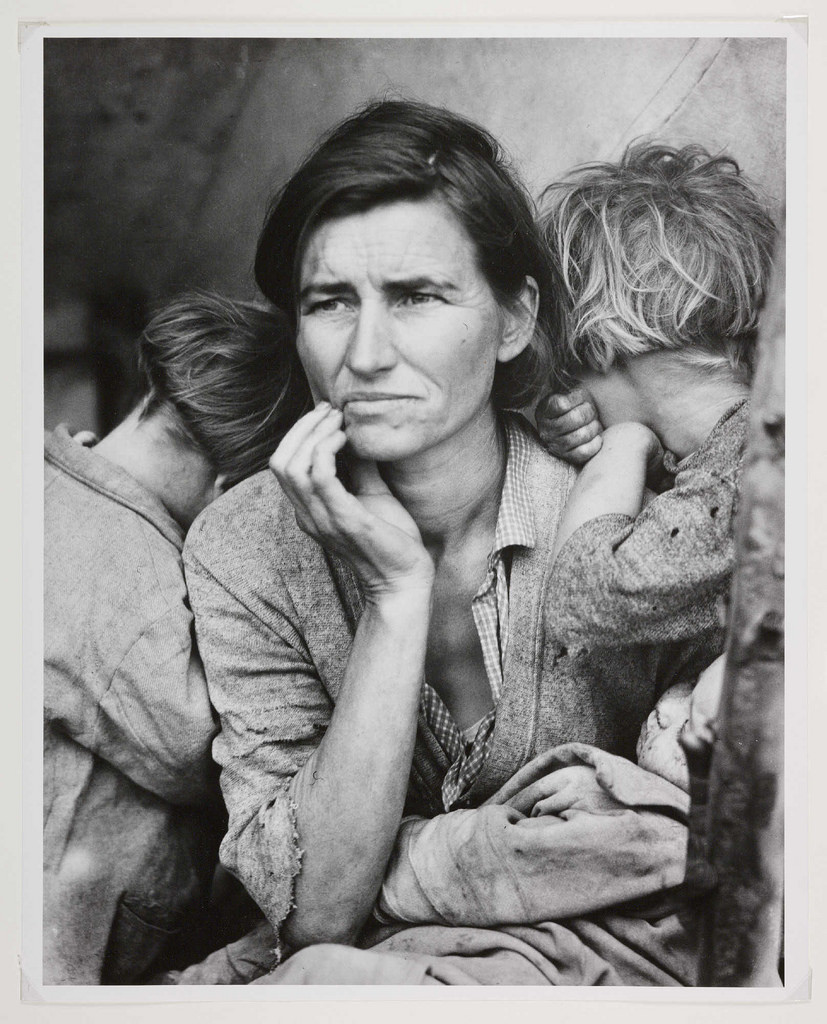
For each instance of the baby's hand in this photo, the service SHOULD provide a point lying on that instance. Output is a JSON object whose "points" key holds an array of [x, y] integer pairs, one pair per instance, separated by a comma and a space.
{"points": [[706, 698], [569, 427]]}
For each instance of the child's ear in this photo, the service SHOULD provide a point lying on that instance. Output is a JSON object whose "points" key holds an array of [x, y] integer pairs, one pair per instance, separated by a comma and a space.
{"points": [[521, 319]]}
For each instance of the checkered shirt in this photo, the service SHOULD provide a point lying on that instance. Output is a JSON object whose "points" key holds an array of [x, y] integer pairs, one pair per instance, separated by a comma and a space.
{"points": [[515, 526]]}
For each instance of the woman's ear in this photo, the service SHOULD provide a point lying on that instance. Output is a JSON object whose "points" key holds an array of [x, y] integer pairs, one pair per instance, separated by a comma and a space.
{"points": [[521, 319], [220, 485]]}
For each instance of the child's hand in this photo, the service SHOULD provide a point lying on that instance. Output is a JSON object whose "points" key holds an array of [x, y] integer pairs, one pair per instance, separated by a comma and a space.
{"points": [[569, 427]]}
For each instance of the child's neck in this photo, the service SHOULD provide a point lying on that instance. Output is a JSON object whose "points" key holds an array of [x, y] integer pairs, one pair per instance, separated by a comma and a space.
{"points": [[679, 402], [178, 475]]}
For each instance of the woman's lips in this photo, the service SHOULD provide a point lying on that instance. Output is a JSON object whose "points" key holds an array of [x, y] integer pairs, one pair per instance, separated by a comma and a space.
{"points": [[373, 404]]}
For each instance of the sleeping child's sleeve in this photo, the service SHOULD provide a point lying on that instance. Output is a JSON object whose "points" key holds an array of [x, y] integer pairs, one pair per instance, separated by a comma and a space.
{"points": [[658, 578]]}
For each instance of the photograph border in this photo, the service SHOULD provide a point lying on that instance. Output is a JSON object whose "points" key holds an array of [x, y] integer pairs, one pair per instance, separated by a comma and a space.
{"points": [[795, 724]]}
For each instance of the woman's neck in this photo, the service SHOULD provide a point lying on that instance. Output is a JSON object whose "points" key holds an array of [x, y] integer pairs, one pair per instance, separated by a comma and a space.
{"points": [[452, 491]]}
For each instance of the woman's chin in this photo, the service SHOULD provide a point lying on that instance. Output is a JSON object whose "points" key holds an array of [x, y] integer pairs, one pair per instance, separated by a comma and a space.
{"points": [[381, 444]]}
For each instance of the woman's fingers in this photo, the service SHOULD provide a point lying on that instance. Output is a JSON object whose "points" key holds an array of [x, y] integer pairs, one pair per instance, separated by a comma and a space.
{"points": [[323, 456], [553, 805], [560, 786], [316, 444], [528, 797], [335, 508], [297, 436], [292, 463]]}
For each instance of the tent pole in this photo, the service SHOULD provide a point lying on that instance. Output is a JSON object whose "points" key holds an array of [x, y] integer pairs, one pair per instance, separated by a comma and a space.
{"points": [[739, 832]]}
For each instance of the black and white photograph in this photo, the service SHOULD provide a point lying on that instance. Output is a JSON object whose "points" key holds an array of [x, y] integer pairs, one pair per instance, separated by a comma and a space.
{"points": [[413, 532]]}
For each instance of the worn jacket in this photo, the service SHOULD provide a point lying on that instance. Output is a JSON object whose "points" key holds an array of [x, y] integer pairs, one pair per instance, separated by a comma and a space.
{"points": [[131, 802], [275, 618]]}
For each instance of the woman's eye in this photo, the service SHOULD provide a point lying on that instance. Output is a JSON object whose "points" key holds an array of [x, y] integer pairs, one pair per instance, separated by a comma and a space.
{"points": [[325, 306], [419, 298]]}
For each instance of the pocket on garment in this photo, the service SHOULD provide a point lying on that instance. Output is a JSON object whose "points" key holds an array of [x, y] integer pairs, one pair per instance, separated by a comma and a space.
{"points": [[133, 946]]}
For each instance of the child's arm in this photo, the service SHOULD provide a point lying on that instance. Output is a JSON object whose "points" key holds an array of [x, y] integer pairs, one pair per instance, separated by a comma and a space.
{"points": [[652, 576], [613, 481]]}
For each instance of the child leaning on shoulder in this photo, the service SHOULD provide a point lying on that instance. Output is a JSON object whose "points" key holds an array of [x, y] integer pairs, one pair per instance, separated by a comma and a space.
{"points": [[666, 256]]}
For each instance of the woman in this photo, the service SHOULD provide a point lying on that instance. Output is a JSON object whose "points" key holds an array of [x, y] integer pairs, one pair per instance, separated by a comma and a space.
{"points": [[424, 303]]}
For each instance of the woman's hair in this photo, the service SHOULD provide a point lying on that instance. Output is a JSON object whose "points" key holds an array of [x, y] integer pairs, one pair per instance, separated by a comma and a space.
{"points": [[227, 376], [666, 249], [397, 150]]}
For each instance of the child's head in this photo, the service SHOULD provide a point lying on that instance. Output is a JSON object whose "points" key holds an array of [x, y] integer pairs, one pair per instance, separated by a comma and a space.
{"points": [[225, 377], [658, 746], [668, 249], [683, 706]]}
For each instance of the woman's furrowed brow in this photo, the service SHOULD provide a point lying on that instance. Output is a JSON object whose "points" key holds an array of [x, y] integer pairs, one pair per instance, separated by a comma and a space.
{"points": [[325, 288], [419, 282], [392, 285]]}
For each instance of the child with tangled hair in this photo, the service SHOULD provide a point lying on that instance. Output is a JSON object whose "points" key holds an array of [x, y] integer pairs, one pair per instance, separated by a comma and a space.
{"points": [[132, 809], [666, 256]]}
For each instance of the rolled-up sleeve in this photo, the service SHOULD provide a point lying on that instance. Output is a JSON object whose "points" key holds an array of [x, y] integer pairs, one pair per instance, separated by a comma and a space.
{"points": [[273, 711], [651, 580]]}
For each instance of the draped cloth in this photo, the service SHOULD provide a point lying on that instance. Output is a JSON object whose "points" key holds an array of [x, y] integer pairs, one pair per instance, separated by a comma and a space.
{"points": [[569, 875]]}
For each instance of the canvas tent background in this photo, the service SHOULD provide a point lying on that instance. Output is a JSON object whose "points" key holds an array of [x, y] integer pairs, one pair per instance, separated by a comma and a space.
{"points": [[161, 154]]}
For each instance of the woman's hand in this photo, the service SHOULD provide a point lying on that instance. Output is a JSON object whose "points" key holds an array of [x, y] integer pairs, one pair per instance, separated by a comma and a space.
{"points": [[369, 529], [573, 788], [569, 427]]}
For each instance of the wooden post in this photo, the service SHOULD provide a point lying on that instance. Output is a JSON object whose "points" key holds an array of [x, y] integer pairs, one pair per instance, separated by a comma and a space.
{"points": [[741, 932]]}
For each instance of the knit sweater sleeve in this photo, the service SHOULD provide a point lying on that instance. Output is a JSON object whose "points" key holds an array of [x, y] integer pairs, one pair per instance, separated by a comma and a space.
{"points": [[273, 710], [655, 579]]}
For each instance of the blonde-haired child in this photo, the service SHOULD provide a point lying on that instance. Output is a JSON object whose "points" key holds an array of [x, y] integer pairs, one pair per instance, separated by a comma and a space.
{"points": [[665, 255]]}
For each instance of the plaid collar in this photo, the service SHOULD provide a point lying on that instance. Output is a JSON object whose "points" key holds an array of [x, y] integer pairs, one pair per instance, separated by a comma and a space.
{"points": [[515, 520]]}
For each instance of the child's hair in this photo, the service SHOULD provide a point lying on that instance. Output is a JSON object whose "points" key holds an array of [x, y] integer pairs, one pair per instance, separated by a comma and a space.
{"points": [[227, 375], [666, 249]]}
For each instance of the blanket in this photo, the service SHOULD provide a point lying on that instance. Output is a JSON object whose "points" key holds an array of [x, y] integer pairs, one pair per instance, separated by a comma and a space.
{"points": [[569, 875]]}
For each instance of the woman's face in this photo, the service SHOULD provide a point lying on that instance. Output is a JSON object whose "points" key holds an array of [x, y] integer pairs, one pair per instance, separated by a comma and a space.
{"points": [[399, 328]]}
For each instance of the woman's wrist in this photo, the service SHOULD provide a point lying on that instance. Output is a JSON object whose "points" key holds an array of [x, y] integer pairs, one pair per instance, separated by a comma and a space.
{"points": [[401, 595]]}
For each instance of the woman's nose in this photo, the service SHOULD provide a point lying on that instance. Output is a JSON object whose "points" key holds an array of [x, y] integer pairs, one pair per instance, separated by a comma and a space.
{"points": [[371, 349]]}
